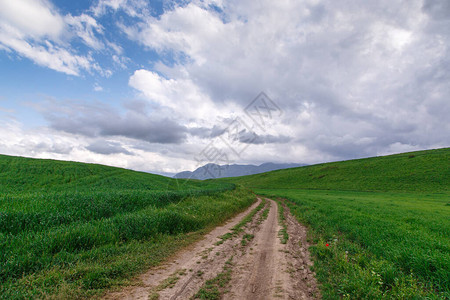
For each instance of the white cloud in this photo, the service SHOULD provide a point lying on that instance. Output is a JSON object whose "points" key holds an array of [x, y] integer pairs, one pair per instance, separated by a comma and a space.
{"points": [[36, 30], [121, 61], [35, 18], [186, 29], [85, 27], [399, 148], [117, 49], [120, 152], [181, 96], [40, 39], [97, 87], [103, 5], [134, 8], [48, 55], [352, 79]]}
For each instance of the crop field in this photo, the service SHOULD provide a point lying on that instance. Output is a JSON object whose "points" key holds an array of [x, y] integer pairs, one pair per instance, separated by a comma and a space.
{"points": [[72, 229], [380, 227]]}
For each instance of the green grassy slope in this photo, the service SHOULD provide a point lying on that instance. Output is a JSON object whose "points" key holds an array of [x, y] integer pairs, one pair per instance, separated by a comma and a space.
{"points": [[38, 194], [71, 229], [386, 221], [20, 174], [382, 245], [416, 171]]}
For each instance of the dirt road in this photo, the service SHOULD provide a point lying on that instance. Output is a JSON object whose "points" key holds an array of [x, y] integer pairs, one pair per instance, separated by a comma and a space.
{"points": [[244, 259]]}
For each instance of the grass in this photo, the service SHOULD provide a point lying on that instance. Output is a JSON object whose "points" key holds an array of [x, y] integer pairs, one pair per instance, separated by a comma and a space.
{"points": [[213, 289], [72, 230], [169, 282], [419, 171], [381, 245], [248, 218], [283, 235], [385, 220], [265, 213], [239, 226], [246, 238]]}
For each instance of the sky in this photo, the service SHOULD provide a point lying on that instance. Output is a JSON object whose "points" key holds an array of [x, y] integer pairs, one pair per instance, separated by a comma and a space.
{"points": [[167, 86]]}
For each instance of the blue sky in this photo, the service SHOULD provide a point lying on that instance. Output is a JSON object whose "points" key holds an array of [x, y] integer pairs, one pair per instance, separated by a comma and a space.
{"points": [[152, 85]]}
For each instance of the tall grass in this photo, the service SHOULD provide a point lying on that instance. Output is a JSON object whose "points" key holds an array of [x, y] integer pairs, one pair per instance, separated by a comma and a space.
{"points": [[385, 220], [419, 171], [75, 229], [34, 212], [381, 245]]}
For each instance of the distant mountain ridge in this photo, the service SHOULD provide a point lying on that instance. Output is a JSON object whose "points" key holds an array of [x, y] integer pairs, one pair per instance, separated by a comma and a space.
{"points": [[210, 171]]}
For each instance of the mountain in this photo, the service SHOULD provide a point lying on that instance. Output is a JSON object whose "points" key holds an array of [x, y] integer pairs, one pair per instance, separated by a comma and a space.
{"points": [[211, 170]]}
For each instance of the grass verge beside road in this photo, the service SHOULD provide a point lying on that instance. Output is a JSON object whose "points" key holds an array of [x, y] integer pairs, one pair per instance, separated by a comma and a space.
{"points": [[381, 245], [72, 230]]}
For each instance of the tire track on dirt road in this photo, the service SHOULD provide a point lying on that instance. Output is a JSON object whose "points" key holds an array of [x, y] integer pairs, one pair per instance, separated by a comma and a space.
{"points": [[254, 275], [187, 270], [258, 265], [272, 270]]}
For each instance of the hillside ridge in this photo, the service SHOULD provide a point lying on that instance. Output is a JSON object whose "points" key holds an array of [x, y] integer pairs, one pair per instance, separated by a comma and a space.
{"points": [[426, 170]]}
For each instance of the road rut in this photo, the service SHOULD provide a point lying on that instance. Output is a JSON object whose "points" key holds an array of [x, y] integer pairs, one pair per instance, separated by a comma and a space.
{"points": [[260, 266]]}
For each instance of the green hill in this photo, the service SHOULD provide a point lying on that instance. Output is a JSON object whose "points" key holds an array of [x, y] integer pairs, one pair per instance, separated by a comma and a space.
{"points": [[379, 227], [71, 230], [20, 174], [416, 171]]}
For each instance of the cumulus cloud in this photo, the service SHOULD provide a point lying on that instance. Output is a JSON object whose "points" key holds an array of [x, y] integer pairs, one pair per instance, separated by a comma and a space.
{"points": [[100, 120], [55, 147], [39, 40], [44, 142], [14, 140], [353, 80], [185, 29], [48, 55], [267, 139], [36, 30], [46, 22], [107, 148], [180, 97], [439, 9]]}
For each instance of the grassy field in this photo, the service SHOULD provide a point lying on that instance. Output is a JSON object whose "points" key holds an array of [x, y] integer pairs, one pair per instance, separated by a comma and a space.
{"points": [[386, 221], [73, 230], [422, 171]]}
